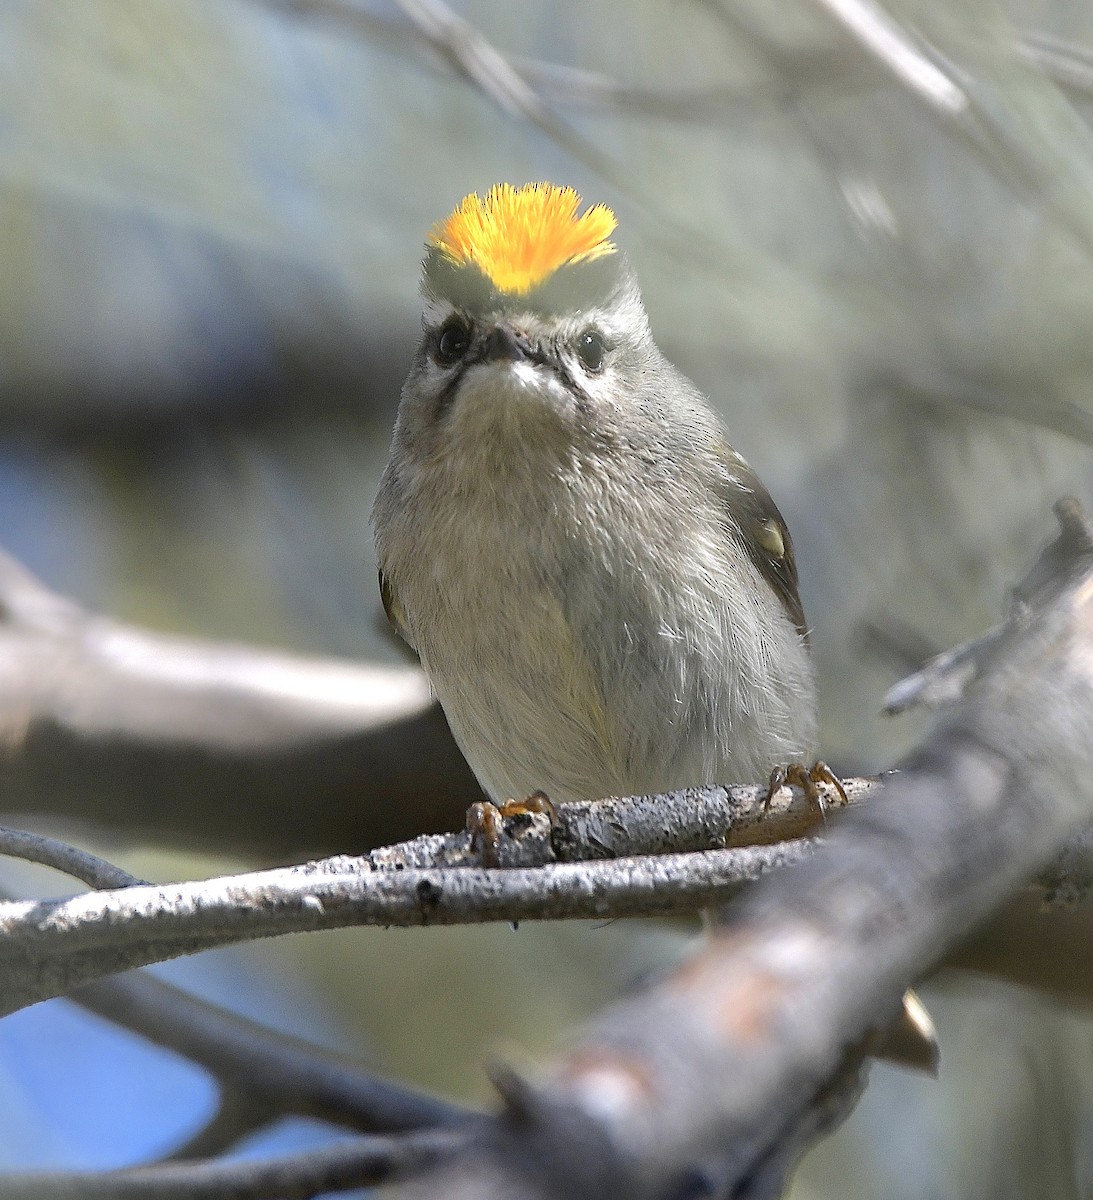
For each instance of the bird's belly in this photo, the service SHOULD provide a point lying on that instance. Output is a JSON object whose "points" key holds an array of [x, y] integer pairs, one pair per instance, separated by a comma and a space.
{"points": [[524, 703], [618, 705]]}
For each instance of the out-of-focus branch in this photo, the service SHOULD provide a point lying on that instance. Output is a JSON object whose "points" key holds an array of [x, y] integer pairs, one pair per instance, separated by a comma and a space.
{"points": [[276, 1075], [972, 107], [349, 1163], [836, 71], [833, 69], [714, 1069], [234, 747], [99, 678], [474, 57]]}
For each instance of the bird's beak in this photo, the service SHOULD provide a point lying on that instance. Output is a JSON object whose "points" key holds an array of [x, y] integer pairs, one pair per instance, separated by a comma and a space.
{"points": [[504, 344]]}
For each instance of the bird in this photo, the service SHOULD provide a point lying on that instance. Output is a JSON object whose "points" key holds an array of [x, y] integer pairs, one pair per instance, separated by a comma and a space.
{"points": [[601, 590]]}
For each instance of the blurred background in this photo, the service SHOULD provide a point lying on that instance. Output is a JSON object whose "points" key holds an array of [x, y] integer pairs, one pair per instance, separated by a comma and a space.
{"points": [[866, 232]]}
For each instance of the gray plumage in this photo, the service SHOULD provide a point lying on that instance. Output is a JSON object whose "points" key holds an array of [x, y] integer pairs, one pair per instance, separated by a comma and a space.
{"points": [[600, 589]]}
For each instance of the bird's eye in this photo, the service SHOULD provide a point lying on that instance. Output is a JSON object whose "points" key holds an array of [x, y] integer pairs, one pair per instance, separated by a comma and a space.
{"points": [[590, 350], [452, 342]]}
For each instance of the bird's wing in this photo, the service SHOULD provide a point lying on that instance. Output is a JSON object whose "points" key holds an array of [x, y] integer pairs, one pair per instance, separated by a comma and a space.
{"points": [[759, 524]]}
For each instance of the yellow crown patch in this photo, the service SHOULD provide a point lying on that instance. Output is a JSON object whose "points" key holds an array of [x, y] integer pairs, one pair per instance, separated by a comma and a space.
{"points": [[517, 237]]}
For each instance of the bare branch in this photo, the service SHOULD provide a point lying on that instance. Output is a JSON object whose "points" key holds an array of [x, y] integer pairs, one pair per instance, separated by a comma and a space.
{"points": [[1066, 62], [1034, 945], [707, 818], [238, 1114], [50, 947], [99, 718], [985, 117], [835, 69], [351, 1162], [722, 1062], [473, 56], [49, 852], [741, 1049], [274, 1073], [570, 87], [913, 64]]}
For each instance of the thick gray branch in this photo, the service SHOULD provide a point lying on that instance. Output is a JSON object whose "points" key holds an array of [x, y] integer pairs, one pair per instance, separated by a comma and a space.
{"points": [[97, 677], [719, 1063]]}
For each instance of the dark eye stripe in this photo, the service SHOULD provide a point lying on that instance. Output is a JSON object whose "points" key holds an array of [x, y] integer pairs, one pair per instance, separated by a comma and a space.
{"points": [[447, 393]]}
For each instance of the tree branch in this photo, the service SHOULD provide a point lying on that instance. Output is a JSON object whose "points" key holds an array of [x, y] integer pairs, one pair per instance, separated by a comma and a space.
{"points": [[734, 1063], [277, 1074], [97, 717], [70, 860], [262, 1074], [695, 819], [47, 948], [50, 947], [349, 1163], [721, 1062]]}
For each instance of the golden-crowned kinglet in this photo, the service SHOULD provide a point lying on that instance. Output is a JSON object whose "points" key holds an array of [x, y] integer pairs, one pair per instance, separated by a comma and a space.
{"points": [[600, 589]]}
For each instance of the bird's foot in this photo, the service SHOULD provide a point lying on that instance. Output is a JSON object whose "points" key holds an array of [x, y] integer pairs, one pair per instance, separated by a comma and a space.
{"points": [[486, 822], [806, 778]]}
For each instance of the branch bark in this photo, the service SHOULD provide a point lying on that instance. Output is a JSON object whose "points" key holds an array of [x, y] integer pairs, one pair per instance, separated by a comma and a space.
{"points": [[729, 1067], [721, 1063], [51, 947], [48, 948], [277, 1074]]}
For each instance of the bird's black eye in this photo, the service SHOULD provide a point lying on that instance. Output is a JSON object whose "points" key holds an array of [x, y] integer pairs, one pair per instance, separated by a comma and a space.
{"points": [[590, 350], [452, 342]]}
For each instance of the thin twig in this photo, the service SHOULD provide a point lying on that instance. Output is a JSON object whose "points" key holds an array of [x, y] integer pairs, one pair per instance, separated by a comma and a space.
{"points": [[986, 117], [49, 852], [707, 818], [50, 947]]}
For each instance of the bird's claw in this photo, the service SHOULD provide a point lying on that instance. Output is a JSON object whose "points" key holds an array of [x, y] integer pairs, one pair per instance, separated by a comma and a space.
{"points": [[807, 779], [486, 822]]}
